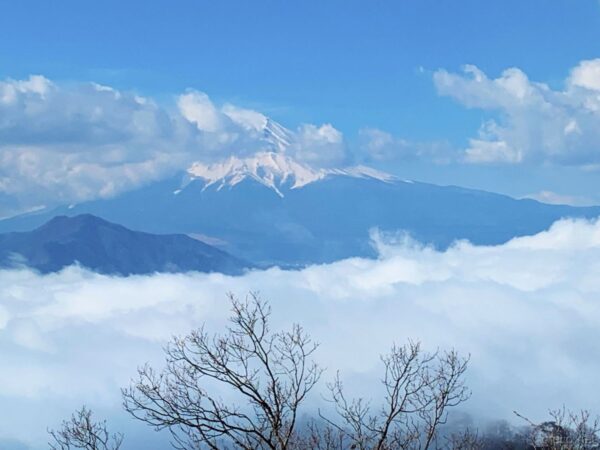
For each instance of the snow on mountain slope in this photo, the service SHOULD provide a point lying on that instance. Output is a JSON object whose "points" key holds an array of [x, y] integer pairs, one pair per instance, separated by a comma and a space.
{"points": [[366, 172], [274, 135], [277, 135], [274, 170], [274, 167]]}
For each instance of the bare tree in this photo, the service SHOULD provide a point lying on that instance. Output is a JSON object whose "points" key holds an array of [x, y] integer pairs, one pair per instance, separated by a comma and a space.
{"points": [[565, 430], [80, 431], [319, 436], [419, 388], [270, 373], [465, 440]]}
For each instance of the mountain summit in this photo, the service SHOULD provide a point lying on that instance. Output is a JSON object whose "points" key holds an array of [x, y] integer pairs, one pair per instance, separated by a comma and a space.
{"points": [[274, 170], [273, 167]]}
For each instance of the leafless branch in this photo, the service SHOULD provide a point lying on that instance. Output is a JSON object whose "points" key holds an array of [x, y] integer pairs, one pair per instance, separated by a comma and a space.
{"points": [[566, 430], [419, 388], [269, 372], [80, 431]]}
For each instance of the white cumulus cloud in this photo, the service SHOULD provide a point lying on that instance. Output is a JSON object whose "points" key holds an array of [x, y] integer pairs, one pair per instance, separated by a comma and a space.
{"points": [[586, 75], [319, 145], [199, 109], [76, 142], [536, 123]]}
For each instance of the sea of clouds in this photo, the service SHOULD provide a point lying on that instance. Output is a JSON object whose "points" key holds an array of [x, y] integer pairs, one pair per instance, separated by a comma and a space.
{"points": [[527, 312]]}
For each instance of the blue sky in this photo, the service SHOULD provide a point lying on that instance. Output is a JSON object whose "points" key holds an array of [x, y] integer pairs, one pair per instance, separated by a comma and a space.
{"points": [[354, 64]]}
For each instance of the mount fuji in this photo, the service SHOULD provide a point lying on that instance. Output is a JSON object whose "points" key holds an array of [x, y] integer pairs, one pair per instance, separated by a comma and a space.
{"points": [[275, 171], [273, 209]]}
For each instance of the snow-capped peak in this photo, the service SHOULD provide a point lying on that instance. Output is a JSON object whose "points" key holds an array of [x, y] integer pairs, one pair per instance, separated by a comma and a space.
{"points": [[273, 166], [275, 170], [269, 168], [275, 136]]}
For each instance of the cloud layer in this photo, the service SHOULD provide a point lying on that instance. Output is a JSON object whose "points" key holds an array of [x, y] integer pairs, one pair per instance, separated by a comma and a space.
{"points": [[536, 122], [75, 142], [527, 312]]}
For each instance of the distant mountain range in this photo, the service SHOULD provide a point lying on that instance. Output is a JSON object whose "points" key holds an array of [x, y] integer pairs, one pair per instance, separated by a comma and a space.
{"points": [[272, 209], [109, 248]]}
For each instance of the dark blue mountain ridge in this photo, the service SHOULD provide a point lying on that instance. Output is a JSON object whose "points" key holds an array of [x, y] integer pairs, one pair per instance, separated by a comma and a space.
{"points": [[109, 248], [277, 211]]}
